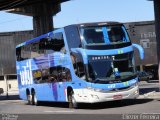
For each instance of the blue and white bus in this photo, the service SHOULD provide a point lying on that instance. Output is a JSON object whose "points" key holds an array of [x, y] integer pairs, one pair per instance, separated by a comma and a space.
{"points": [[82, 63]]}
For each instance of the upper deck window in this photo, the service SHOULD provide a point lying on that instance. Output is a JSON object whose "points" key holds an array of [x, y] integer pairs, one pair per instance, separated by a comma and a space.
{"points": [[40, 47], [104, 34]]}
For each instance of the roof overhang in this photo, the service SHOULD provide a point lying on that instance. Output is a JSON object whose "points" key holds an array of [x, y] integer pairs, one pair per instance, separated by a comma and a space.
{"points": [[25, 7], [10, 4]]}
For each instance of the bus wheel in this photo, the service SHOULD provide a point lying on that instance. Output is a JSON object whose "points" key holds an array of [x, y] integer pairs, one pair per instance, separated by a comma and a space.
{"points": [[34, 99], [72, 101], [29, 99]]}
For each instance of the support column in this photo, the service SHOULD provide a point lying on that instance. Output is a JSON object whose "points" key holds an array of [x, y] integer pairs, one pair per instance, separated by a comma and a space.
{"points": [[43, 17], [42, 24], [157, 27]]}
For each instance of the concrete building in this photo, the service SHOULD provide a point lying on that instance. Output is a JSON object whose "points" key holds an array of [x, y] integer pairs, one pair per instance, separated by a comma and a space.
{"points": [[8, 42]]}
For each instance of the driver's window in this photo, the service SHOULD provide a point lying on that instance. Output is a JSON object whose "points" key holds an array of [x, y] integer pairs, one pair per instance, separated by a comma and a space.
{"points": [[58, 43], [78, 65]]}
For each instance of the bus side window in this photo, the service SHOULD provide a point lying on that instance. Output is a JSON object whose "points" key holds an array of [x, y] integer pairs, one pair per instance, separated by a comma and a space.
{"points": [[45, 74], [58, 43], [68, 75], [18, 54], [25, 52], [78, 65], [43, 44], [35, 52], [65, 75], [60, 74], [37, 76], [51, 44]]}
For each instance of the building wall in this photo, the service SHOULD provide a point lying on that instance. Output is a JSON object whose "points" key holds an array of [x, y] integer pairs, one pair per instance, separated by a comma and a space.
{"points": [[143, 33], [9, 87], [140, 32], [8, 42]]}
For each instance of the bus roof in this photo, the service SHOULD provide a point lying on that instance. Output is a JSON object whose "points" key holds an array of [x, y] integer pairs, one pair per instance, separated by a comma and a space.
{"points": [[78, 25], [96, 23], [34, 39]]}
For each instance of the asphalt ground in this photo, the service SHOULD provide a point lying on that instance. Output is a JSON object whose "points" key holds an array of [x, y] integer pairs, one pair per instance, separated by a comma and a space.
{"points": [[11, 108]]}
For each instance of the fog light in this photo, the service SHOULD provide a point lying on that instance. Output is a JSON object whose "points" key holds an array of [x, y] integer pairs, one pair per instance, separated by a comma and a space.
{"points": [[136, 92]]}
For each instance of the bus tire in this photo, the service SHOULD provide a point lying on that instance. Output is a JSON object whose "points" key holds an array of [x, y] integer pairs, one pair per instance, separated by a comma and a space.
{"points": [[34, 99], [29, 99], [71, 100]]}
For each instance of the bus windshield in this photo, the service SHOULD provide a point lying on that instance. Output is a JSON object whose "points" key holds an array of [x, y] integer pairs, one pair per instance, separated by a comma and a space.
{"points": [[114, 34], [107, 68]]}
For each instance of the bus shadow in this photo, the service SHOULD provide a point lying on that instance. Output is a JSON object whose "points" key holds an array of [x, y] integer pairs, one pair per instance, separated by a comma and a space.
{"points": [[143, 91], [102, 105], [115, 104], [10, 97], [54, 104]]}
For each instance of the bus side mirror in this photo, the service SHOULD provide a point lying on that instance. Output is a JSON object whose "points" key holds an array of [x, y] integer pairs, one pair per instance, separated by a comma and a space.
{"points": [[140, 49]]}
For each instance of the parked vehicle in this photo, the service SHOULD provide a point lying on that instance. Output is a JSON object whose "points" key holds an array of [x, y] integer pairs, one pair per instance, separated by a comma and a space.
{"points": [[145, 76], [143, 33]]}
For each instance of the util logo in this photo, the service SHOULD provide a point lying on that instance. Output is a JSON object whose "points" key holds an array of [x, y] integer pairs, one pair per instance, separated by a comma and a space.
{"points": [[26, 74]]}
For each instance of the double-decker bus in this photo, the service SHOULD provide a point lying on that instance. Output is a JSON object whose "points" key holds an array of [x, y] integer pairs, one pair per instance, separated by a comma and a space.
{"points": [[82, 63]]}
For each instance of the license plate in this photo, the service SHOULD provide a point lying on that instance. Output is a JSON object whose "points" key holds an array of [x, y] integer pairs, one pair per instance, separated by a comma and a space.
{"points": [[117, 97]]}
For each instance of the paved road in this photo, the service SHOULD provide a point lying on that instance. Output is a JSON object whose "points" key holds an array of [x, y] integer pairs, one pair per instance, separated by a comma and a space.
{"points": [[102, 110], [85, 111], [116, 107], [149, 87]]}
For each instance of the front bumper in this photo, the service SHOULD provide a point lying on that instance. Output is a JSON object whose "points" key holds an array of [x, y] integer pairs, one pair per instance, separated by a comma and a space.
{"points": [[90, 96]]}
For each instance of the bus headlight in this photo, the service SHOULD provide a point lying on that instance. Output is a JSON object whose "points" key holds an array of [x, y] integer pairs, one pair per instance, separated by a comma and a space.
{"points": [[136, 92]]}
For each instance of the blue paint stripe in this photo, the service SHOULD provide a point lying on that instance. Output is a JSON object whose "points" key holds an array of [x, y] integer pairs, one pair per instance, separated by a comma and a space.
{"points": [[105, 34], [126, 35], [85, 52], [115, 85], [110, 52], [35, 39]]}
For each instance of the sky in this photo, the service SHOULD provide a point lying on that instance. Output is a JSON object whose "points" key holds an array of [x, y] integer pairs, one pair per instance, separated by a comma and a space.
{"points": [[81, 11]]}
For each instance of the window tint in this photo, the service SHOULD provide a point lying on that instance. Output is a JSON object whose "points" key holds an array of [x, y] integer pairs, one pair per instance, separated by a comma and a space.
{"points": [[43, 46], [18, 54], [58, 42], [1, 78], [93, 35], [11, 77], [78, 65], [73, 37], [53, 74], [35, 51], [115, 34], [25, 52]]}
